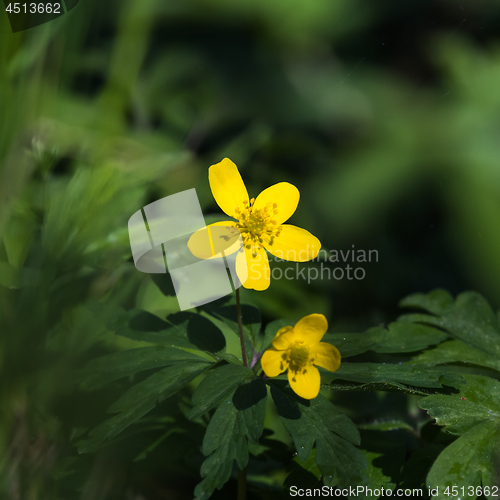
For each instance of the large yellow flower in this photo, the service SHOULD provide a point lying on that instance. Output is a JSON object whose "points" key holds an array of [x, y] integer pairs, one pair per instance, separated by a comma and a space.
{"points": [[299, 350], [259, 221]]}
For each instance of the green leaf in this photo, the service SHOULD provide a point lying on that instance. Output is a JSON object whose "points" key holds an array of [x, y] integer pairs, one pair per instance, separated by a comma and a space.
{"points": [[474, 414], [436, 302], [217, 385], [399, 337], [183, 329], [240, 415], [114, 366], [392, 425], [481, 402], [417, 467], [142, 398], [303, 474], [470, 319], [250, 400], [384, 456], [456, 351], [317, 421], [394, 375], [470, 461], [250, 316], [164, 283]]}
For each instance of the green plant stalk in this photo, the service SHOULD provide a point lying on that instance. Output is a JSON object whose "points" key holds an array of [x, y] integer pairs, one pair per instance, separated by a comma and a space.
{"points": [[242, 484], [242, 474], [240, 327]]}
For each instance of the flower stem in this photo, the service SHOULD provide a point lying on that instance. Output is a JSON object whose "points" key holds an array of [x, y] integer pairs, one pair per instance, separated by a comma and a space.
{"points": [[240, 327], [242, 484]]}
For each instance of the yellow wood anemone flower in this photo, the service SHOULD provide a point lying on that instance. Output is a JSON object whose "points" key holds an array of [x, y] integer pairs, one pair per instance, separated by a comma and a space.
{"points": [[299, 350], [259, 222]]}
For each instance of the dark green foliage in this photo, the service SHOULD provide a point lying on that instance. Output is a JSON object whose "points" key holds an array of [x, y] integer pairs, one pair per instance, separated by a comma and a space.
{"points": [[317, 422], [238, 418]]}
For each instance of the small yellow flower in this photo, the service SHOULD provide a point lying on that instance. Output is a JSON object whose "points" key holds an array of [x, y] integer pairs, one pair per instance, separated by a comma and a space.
{"points": [[299, 350], [259, 221]]}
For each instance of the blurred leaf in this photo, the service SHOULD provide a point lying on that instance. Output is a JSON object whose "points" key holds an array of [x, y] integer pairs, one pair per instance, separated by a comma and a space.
{"points": [[142, 398], [436, 302], [216, 386], [387, 426], [164, 283], [183, 329], [114, 366], [317, 421]]}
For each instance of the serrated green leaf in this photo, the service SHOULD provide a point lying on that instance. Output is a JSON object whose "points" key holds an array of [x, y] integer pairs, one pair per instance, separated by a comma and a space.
{"points": [[456, 351], [399, 337], [391, 374], [436, 302], [384, 456], [225, 439], [470, 319], [470, 461], [216, 386], [474, 457], [478, 400], [142, 398], [317, 421], [114, 366]]}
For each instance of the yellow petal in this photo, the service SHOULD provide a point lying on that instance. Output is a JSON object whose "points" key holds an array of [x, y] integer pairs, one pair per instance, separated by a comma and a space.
{"points": [[285, 338], [306, 382], [281, 332], [311, 328], [255, 272], [284, 195], [227, 186], [295, 244], [274, 362], [210, 241], [325, 355]]}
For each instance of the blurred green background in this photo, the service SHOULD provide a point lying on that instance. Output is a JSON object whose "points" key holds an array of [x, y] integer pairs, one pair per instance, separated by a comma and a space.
{"points": [[385, 115]]}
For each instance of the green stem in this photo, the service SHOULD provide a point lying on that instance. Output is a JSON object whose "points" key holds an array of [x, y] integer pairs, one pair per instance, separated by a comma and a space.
{"points": [[240, 327], [242, 484]]}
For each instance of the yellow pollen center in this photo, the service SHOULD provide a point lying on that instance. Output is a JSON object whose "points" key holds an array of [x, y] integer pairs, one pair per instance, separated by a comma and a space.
{"points": [[298, 357], [257, 225]]}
